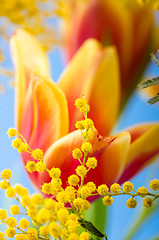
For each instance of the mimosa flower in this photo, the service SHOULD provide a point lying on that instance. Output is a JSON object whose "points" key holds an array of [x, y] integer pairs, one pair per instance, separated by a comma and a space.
{"points": [[45, 113], [120, 23]]}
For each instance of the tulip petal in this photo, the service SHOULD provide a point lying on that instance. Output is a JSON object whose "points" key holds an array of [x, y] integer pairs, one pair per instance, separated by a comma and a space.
{"points": [[45, 113], [138, 130], [142, 150], [112, 162], [98, 80], [110, 156], [27, 53], [44, 117]]}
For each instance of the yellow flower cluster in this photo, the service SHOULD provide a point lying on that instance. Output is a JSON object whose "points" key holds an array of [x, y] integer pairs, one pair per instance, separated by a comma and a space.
{"points": [[31, 15], [59, 216]]}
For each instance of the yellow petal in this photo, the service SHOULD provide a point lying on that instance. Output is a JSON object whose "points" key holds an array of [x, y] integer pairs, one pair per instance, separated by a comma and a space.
{"points": [[93, 72], [27, 53]]}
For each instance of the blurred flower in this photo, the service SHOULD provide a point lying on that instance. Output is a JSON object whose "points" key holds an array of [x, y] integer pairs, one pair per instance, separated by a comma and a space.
{"points": [[32, 15], [122, 24], [45, 112]]}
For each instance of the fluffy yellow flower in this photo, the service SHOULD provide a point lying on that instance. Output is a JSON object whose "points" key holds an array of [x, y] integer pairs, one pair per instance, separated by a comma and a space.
{"points": [[81, 171], [91, 162], [31, 166], [26, 200], [54, 230], [103, 189], [4, 185], [10, 192], [154, 184], [10, 232], [32, 234], [20, 237], [2, 236], [3, 214], [55, 173], [88, 123], [73, 180], [62, 197], [21, 191], [64, 233], [107, 201], [11, 222], [76, 153], [85, 236], [6, 173], [147, 202], [85, 191], [115, 188], [82, 105], [73, 236], [40, 167], [80, 125], [43, 231], [24, 223], [50, 204], [22, 148], [128, 187], [62, 215], [32, 211], [86, 147], [70, 191], [91, 186], [86, 205], [12, 132], [143, 191], [16, 143], [37, 154], [78, 203], [37, 199], [131, 203], [14, 210], [43, 215]]}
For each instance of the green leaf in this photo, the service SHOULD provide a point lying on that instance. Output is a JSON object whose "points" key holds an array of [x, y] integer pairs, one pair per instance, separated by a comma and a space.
{"points": [[91, 228], [155, 59], [97, 214], [149, 82], [154, 99]]}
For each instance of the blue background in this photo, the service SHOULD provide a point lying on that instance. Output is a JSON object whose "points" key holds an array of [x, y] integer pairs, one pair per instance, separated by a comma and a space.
{"points": [[120, 218]]}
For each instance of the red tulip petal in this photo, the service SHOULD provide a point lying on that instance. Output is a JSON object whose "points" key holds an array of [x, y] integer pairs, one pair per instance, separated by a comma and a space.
{"points": [[142, 150]]}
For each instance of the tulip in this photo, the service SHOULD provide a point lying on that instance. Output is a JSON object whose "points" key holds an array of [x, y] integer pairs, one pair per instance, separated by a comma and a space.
{"points": [[124, 26], [45, 113]]}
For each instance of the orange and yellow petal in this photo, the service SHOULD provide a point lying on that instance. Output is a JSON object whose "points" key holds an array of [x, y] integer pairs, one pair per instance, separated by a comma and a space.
{"points": [[45, 113], [27, 53], [44, 117], [110, 157], [94, 73]]}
